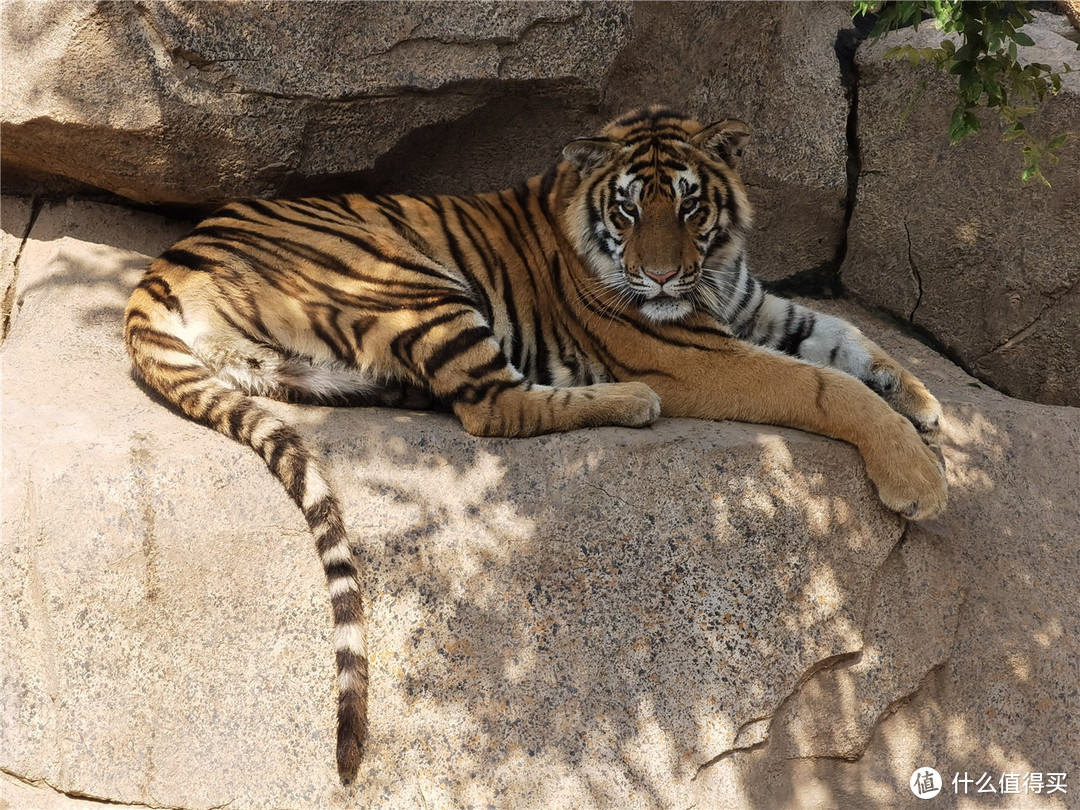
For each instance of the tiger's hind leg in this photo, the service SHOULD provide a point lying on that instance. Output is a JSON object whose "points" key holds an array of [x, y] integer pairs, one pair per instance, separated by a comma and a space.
{"points": [[263, 370], [457, 355]]}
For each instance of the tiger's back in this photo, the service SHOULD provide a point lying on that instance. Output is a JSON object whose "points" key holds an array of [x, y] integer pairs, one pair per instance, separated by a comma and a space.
{"points": [[542, 308]]}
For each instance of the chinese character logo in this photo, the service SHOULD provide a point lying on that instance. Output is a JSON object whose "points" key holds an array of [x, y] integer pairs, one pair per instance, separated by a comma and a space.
{"points": [[925, 783]]}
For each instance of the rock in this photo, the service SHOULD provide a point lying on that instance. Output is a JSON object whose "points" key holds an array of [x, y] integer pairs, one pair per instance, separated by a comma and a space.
{"points": [[695, 612], [950, 239], [16, 794], [982, 598], [202, 103], [1071, 9], [192, 103]]}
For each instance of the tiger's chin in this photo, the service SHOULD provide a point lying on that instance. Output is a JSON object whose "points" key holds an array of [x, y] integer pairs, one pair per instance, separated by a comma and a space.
{"points": [[666, 309]]}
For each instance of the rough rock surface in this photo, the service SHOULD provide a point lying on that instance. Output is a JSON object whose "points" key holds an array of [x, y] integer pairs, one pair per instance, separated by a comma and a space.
{"points": [[696, 613], [949, 238], [200, 103]]}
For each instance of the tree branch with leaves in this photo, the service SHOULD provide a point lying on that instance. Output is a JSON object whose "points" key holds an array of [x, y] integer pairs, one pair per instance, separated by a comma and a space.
{"points": [[986, 66]]}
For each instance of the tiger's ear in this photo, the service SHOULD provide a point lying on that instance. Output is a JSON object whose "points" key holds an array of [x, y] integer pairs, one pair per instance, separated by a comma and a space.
{"points": [[588, 153], [724, 140]]}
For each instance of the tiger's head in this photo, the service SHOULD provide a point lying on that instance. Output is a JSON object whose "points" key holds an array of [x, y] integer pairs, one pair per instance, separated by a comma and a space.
{"points": [[658, 202]]}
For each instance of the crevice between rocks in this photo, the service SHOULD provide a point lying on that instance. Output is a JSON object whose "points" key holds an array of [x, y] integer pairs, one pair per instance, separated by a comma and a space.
{"points": [[7, 301], [825, 281], [847, 43]]}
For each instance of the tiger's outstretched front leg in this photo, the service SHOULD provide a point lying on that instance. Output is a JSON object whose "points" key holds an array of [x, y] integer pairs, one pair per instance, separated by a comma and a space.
{"points": [[734, 380], [775, 323], [464, 365]]}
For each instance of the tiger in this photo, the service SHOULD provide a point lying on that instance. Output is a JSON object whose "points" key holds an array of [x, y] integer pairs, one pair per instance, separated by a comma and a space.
{"points": [[609, 291]]}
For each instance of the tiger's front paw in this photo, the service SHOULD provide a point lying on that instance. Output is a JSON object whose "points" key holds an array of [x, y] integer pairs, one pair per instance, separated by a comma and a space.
{"points": [[906, 394], [631, 404], [909, 474]]}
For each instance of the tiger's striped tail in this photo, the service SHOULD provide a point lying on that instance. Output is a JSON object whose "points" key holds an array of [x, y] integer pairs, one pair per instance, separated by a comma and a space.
{"points": [[168, 365]]}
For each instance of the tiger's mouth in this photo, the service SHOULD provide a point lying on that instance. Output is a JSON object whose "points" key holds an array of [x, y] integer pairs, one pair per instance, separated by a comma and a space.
{"points": [[665, 308], [665, 305], [659, 301]]}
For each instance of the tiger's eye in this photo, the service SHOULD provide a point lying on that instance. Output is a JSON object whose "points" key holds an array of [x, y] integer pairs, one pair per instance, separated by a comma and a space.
{"points": [[628, 209], [688, 207]]}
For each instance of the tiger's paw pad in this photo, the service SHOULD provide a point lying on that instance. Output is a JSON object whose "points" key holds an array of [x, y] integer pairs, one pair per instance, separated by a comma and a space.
{"points": [[912, 482]]}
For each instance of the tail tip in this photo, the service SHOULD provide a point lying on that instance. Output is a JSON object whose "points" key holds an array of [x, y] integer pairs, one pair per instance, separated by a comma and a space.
{"points": [[348, 760], [349, 748]]}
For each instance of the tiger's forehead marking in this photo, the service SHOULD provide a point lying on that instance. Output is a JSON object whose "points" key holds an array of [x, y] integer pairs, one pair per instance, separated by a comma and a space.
{"points": [[686, 182], [660, 160], [669, 183], [629, 184]]}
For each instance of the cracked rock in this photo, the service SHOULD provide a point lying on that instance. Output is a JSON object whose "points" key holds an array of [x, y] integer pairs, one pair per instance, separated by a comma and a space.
{"points": [[950, 238], [16, 214], [968, 655]]}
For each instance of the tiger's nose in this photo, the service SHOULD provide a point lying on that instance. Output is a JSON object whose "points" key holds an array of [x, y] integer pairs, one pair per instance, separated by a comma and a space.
{"points": [[660, 277]]}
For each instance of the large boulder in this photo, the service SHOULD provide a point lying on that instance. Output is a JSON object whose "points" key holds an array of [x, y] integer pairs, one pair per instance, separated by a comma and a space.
{"points": [[719, 614], [200, 103], [950, 239]]}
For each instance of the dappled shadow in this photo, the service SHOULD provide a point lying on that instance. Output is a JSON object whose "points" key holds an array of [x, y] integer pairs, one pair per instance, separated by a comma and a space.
{"points": [[544, 613], [995, 616]]}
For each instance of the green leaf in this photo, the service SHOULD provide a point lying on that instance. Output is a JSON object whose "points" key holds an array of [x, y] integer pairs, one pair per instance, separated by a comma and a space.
{"points": [[963, 123], [1022, 38], [1013, 132], [861, 8], [1057, 142]]}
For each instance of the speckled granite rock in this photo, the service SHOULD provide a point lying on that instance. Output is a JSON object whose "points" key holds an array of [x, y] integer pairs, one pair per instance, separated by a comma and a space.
{"points": [[195, 102], [695, 612], [983, 599], [949, 237]]}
